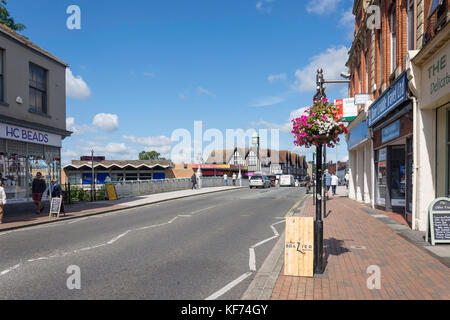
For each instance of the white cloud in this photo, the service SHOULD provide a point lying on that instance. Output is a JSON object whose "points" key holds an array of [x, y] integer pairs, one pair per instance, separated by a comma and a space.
{"points": [[276, 77], [347, 21], [204, 91], [76, 87], [149, 74], [321, 6], [283, 127], [106, 121], [78, 130], [332, 61], [266, 101], [149, 141], [264, 6]]}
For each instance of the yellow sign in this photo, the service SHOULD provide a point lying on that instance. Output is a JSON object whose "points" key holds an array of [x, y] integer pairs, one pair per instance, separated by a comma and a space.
{"points": [[299, 247], [111, 191]]}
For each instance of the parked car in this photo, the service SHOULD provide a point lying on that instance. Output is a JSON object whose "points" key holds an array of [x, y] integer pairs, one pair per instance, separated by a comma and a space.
{"points": [[259, 181], [287, 180]]}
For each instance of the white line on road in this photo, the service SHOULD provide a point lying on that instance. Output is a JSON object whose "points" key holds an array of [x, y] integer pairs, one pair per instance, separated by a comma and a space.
{"points": [[229, 286], [10, 269]]}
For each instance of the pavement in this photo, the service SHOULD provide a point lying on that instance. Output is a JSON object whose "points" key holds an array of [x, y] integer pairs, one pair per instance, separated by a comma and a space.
{"points": [[208, 246], [23, 215], [359, 241]]}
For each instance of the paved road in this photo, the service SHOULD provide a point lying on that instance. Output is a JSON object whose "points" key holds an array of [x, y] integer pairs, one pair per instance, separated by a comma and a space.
{"points": [[183, 249]]}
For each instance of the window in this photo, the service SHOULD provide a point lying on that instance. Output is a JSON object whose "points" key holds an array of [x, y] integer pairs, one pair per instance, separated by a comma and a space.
{"points": [[367, 72], [410, 25], [380, 50], [393, 30], [2, 96], [38, 89], [359, 79], [448, 153]]}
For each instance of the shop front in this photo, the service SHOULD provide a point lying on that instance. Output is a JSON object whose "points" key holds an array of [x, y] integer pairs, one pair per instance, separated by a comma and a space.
{"points": [[431, 68], [23, 153], [360, 155], [391, 124]]}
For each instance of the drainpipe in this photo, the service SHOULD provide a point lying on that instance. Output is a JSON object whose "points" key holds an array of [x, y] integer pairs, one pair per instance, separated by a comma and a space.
{"points": [[415, 161]]}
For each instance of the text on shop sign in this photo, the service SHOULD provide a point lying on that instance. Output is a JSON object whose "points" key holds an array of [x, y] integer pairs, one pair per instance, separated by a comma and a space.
{"points": [[29, 135]]}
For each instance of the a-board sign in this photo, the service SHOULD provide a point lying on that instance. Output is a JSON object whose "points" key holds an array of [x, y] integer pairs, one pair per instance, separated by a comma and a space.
{"points": [[299, 247], [55, 207], [438, 226], [111, 191]]}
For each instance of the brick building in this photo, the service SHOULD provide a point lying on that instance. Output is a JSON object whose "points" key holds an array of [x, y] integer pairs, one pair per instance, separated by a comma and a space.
{"points": [[390, 140]]}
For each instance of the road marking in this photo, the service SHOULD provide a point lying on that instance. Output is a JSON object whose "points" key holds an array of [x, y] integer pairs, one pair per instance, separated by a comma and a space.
{"points": [[119, 236], [252, 259], [229, 286], [197, 213], [78, 220], [10, 269]]}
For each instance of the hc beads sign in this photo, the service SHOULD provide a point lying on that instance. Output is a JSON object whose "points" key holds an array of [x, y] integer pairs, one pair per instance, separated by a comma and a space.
{"points": [[28, 135]]}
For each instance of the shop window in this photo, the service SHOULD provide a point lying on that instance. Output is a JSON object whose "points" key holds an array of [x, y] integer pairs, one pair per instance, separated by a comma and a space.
{"points": [[38, 89], [145, 176], [448, 153], [131, 176], [2, 94]]}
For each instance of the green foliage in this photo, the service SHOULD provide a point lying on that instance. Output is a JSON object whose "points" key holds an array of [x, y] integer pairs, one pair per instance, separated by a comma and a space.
{"points": [[150, 155], [7, 20]]}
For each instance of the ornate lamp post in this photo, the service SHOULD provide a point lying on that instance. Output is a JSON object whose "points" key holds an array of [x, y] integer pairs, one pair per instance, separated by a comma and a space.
{"points": [[199, 171]]}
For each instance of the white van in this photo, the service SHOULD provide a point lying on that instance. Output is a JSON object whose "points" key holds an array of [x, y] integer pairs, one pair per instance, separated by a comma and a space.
{"points": [[287, 180]]}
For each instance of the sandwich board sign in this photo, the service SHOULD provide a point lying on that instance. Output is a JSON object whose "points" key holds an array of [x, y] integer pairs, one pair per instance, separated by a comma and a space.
{"points": [[55, 207], [299, 247], [438, 226], [111, 192]]}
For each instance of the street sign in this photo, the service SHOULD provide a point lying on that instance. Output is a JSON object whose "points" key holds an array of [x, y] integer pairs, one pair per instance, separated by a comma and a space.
{"points": [[299, 247], [111, 191], [438, 226], [55, 207], [362, 98], [348, 109]]}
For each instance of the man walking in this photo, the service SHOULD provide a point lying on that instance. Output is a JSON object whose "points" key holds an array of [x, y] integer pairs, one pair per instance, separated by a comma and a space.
{"points": [[234, 179], [225, 179], [327, 181], [2, 199], [37, 189], [334, 183], [347, 179], [194, 181]]}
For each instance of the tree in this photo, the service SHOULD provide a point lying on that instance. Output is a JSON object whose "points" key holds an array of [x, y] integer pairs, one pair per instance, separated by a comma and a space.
{"points": [[7, 20], [150, 155]]}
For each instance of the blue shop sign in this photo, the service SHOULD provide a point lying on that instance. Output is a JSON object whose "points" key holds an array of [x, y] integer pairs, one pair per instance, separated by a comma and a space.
{"points": [[391, 99], [391, 132], [357, 135]]}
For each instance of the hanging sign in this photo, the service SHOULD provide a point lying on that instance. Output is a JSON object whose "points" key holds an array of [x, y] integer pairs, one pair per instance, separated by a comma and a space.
{"points": [[348, 110], [438, 227]]}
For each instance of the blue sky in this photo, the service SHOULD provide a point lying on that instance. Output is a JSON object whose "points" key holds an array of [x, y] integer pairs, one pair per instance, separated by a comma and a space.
{"points": [[141, 69]]}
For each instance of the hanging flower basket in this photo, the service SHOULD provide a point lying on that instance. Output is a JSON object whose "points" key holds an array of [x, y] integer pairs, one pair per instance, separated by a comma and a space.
{"points": [[319, 126]]}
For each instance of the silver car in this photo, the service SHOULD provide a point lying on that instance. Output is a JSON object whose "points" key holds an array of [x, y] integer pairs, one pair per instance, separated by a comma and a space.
{"points": [[259, 181]]}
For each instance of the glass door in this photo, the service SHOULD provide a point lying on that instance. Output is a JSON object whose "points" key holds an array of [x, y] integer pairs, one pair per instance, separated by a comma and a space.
{"points": [[398, 177], [381, 179]]}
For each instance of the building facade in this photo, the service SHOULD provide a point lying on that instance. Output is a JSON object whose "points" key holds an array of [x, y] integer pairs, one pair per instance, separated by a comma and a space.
{"points": [[32, 113], [79, 172], [398, 140]]}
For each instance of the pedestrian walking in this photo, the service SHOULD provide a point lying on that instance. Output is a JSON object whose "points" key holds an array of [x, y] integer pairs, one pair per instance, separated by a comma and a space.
{"points": [[194, 181], [234, 179], [327, 181], [57, 192], [347, 179], [225, 179], [37, 190], [334, 183], [2, 199]]}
